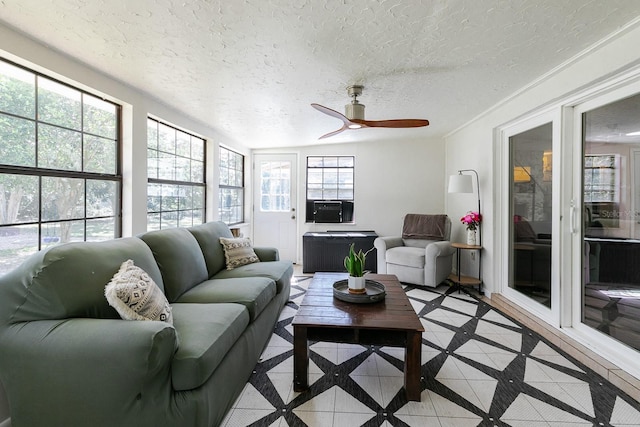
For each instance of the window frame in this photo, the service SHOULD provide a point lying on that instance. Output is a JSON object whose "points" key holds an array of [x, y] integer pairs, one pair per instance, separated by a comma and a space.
{"points": [[612, 187], [169, 183], [347, 206], [233, 220], [598, 209], [42, 173]]}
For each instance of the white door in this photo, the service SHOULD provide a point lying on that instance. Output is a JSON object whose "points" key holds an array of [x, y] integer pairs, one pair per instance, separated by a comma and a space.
{"points": [[274, 205]]}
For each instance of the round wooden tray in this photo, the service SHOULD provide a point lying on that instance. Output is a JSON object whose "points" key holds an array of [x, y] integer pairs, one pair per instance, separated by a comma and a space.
{"points": [[375, 292]]}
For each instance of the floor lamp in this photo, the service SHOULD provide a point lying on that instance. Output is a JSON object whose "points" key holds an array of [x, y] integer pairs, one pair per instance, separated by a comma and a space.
{"points": [[464, 184]]}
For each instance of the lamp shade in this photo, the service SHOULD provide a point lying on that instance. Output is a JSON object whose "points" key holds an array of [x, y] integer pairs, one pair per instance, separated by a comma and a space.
{"points": [[460, 184]]}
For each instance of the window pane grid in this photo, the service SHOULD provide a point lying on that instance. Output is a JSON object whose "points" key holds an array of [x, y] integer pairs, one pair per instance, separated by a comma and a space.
{"points": [[275, 186], [330, 177], [59, 165], [231, 189], [175, 172], [600, 175]]}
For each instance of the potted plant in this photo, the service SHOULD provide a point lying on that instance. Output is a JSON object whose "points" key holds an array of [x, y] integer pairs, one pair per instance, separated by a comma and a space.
{"points": [[354, 263], [472, 221]]}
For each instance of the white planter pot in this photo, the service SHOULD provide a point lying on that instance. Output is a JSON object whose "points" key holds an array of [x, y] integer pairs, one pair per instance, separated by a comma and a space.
{"points": [[356, 285]]}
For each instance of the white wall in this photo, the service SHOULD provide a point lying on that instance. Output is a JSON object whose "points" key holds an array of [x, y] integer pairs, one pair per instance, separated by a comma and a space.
{"points": [[392, 178], [471, 146]]}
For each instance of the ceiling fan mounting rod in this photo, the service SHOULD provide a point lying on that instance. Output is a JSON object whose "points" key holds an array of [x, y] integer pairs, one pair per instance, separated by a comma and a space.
{"points": [[355, 91]]}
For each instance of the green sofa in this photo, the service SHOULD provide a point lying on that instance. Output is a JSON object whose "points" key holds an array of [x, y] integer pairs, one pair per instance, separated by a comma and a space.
{"points": [[68, 359]]}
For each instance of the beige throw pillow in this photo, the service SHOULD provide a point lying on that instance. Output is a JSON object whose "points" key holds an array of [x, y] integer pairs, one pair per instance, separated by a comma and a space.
{"points": [[238, 252], [135, 295]]}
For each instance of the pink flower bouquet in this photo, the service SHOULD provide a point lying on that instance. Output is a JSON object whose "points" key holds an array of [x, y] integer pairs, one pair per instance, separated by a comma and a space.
{"points": [[472, 220]]}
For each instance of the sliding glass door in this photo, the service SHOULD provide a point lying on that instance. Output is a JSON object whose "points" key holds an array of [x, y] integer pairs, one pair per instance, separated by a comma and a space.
{"points": [[610, 287], [569, 218], [531, 213]]}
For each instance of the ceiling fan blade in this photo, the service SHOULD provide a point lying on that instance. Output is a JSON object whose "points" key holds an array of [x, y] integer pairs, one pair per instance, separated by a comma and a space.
{"points": [[332, 113], [399, 123], [335, 132]]}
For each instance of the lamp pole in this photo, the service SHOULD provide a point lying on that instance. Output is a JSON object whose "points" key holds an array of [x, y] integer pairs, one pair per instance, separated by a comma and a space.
{"points": [[479, 212]]}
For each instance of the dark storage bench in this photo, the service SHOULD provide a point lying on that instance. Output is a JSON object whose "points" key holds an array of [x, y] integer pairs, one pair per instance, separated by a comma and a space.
{"points": [[325, 250]]}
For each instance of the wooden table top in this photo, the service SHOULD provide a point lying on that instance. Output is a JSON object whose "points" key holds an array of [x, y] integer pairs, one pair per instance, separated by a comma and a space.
{"points": [[320, 308]]}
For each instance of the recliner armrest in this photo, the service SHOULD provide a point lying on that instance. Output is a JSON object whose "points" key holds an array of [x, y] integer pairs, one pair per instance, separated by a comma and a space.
{"points": [[437, 249], [384, 243]]}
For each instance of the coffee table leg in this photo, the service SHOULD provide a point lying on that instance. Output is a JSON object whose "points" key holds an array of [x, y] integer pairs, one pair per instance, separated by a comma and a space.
{"points": [[412, 365], [300, 358]]}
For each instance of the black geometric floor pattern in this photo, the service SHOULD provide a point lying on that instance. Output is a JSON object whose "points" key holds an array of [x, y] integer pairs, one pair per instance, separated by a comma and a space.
{"points": [[479, 368]]}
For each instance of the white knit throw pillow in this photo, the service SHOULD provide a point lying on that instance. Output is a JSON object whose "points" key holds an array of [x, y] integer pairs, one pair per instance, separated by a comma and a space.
{"points": [[135, 295], [238, 252]]}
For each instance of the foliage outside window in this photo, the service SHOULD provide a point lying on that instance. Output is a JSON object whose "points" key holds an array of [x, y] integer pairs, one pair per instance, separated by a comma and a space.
{"points": [[175, 171], [59, 165], [231, 203]]}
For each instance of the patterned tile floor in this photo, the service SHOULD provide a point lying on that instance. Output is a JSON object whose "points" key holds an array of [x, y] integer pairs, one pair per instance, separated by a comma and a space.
{"points": [[479, 368]]}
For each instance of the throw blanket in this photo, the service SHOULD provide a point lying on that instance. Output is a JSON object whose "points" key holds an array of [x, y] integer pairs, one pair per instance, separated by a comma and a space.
{"points": [[418, 226]]}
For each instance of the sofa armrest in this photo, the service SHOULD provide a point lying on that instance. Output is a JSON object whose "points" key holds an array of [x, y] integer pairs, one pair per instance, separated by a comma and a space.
{"points": [[69, 370], [267, 253]]}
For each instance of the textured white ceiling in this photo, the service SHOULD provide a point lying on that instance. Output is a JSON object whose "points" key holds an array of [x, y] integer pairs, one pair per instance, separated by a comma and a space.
{"points": [[250, 68]]}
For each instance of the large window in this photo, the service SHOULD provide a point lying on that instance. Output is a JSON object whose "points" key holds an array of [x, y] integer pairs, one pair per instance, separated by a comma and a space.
{"points": [[175, 170], [231, 203], [60, 178], [330, 188]]}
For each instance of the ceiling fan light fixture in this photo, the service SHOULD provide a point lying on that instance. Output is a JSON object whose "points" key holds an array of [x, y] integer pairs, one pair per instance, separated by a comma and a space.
{"points": [[354, 111], [354, 126]]}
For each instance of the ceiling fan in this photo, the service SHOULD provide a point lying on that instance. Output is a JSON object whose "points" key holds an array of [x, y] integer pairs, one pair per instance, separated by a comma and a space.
{"points": [[354, 116]]}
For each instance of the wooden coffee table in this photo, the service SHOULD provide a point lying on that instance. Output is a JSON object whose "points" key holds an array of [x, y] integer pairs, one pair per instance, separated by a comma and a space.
{"points": [[391, 322]]}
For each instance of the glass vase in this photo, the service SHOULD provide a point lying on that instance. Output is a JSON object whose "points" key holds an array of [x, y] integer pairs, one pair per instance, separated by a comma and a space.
{"points": [[471, 237]]}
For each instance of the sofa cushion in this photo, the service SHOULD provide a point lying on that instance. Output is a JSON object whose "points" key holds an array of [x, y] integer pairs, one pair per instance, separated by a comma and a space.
{"points": [[180, 259], [255, 293], [208, 237], [279, 271], [135, 296], [68, 280], [205, 333], [238, 252], [406, 255]]}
